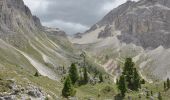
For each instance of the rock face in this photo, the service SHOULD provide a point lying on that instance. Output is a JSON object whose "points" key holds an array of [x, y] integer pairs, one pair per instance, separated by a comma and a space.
{"points": [[145, 23], [55, 32], [28, 46], [15, 15], [107, 32]]}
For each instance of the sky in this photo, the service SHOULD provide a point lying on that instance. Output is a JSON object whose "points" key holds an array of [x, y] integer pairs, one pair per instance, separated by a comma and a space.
{"points": [[72, 16]]}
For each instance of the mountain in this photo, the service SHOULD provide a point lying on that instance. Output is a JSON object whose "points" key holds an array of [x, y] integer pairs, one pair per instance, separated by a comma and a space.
{"points": [[27, 47], [137, 21], [34, 59], [134, 29]]}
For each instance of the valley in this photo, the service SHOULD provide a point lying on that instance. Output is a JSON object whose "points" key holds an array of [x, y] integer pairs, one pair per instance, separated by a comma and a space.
{"points": [[42, 63]]}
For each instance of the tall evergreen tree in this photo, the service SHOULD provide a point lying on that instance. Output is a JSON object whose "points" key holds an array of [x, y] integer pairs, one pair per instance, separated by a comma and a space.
{"points": [[101, 77], [68, 89], [122, 85], [136, 80], [151, 93], [128, 72], [168, 83], [117, 82], [86, 78], [73, 73], [165, 85]]}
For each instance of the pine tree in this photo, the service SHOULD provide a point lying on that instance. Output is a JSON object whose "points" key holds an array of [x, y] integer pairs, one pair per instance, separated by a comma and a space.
{"points": [[117, 82], [73, 73], [142, 81], [165, 85], [147, 94], [86, 79], [168, 83], [101, 78], [128, 72], [68, 89], [122, 85], [136, 80], [151, 93], [159, 96], [36, 74]]}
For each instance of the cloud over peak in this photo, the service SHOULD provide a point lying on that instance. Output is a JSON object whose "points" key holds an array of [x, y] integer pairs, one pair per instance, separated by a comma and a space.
{"points": [[71, 16]]}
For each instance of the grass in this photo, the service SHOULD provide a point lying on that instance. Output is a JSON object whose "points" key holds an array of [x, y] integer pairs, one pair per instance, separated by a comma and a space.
{"points": [[97, 92], [24, 78], [5, 86]]}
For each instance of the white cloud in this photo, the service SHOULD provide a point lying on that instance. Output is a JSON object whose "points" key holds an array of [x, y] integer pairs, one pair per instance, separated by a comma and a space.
{"points": [[35, 5], [71, 16], [108, 6], [68, 27]]}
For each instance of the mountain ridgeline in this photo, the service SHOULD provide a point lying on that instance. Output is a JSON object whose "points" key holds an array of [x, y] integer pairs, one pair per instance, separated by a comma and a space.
{"points": [[140, 30], [145, 23], [35, 60]]}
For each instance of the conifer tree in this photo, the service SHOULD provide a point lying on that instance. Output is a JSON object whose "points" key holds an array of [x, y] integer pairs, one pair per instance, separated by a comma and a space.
{"points": [[151, 93], [142, 81], [122, 85], [68, 89], [165, 85], [168, 83], [36, 74], [101, 77], [117, 82], [136, 80], [128, 72], [147, 94], [159, 96], [86, 79], [73, 73]]}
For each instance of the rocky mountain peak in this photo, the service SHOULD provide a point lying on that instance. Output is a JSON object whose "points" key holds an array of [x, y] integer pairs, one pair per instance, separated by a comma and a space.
{"points": [[15, 4], [145, 23], [15, 14]]}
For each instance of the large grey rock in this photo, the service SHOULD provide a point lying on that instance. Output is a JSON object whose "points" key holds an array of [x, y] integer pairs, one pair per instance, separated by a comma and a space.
{"points": [[55, 32], [107, 32]]}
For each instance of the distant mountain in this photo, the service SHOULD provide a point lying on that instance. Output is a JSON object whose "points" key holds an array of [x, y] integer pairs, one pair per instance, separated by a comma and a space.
{"points": [[134, 29], [145, 23]]}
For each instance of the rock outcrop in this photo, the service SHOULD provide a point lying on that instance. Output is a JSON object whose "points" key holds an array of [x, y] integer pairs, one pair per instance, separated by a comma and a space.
{"points": [[55, 32], [145, 23]]}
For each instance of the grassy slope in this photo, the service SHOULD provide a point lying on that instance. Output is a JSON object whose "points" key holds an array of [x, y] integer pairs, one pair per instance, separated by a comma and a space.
{"points": [[16, 67]]}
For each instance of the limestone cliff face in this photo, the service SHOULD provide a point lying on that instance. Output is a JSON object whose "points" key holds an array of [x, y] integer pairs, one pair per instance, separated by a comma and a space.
{"points": [[14, 15], [145, 23]]}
